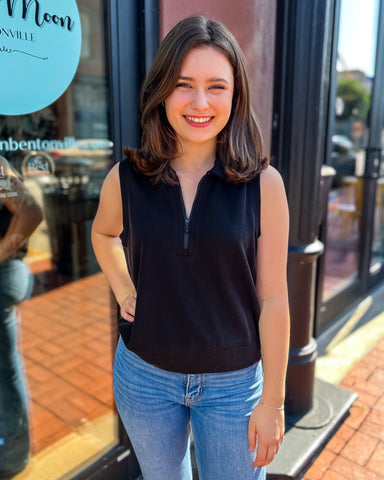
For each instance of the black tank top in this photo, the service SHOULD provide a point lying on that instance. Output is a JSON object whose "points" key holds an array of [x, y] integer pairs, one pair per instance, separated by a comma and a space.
{"points": [[196, 309]]}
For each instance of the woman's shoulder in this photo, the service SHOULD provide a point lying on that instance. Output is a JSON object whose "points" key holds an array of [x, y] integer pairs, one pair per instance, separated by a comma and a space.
{"points": [[270, 176], [125, 177], [273, 196], [120, 169], [272, 186]]}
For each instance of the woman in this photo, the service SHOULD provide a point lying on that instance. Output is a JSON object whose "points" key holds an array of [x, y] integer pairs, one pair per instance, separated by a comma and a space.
{"points": [[191, 232]]}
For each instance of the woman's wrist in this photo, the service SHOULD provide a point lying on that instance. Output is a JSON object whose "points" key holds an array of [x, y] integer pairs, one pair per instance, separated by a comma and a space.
{"points": [[273, 399], [123, 295], [272, 407]]}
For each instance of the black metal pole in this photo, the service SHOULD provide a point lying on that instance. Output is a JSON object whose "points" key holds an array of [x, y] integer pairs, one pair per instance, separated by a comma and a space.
{"points": [[305, 33], [302, 60], [303, 348]]}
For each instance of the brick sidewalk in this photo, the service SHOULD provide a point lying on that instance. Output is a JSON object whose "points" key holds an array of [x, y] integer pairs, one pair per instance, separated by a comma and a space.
{"points": [[356, 451]]}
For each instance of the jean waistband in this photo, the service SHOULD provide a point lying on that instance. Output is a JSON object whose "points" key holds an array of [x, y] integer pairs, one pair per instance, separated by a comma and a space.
{"points": [[222, 377]]}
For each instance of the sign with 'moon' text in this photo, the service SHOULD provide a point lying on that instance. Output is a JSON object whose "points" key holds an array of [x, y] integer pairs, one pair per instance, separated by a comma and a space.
{"points": [[40, 44]]}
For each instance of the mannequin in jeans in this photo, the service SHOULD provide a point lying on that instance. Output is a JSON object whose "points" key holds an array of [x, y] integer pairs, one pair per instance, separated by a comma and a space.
{"points": [[19, 217]]}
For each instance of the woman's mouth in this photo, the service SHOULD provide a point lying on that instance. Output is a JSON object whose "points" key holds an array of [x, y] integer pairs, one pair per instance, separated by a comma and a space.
{"points": [[198, 121]]}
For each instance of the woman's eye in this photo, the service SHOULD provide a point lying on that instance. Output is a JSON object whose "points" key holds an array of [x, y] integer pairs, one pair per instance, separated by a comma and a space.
{"points": [[217, 87], [183, 85]]}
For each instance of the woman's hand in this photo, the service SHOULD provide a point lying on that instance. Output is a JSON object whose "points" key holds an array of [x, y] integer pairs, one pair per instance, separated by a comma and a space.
{"points": [[128, 307], [266, 428]]}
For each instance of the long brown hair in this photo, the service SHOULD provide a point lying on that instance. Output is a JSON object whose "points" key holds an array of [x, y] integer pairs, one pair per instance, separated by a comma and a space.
{"points": [[239, 143]]}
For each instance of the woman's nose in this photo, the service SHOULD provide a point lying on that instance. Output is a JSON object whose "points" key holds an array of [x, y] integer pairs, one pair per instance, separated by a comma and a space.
{"points": [[200, 100]]}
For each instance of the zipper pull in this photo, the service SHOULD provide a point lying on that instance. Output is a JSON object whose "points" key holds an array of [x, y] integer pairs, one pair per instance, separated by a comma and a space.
{"points": [[186, 233]]}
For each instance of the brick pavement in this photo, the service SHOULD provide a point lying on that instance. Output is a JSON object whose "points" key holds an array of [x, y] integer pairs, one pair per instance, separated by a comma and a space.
{"points": [[356, 451]]}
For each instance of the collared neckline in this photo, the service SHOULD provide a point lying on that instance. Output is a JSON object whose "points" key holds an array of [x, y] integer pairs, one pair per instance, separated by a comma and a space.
{"points": [[218, 168]]}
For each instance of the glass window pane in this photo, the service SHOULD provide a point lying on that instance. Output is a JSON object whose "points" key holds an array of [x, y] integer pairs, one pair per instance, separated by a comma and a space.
{"points": [[355, 75], [378, 231], [57, 329]]}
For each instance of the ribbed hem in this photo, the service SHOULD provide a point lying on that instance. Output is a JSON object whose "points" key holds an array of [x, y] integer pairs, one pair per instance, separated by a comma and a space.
{"points": [[199, 362]]}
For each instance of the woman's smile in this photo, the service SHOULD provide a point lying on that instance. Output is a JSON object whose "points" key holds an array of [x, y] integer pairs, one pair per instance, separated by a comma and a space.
{"points": [[198, 121]]}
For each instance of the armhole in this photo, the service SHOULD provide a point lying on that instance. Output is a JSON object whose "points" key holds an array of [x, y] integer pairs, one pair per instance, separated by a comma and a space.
{"points": [[124, 195], [258, 208]]}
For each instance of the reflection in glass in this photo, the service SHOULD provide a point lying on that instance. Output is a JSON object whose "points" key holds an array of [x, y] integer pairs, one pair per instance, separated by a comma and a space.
{"points": [[349, 136], [20, 215], [63, 153], [378, 232]]}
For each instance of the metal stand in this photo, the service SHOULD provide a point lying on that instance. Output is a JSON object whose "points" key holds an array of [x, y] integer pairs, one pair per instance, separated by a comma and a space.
{"points": [[302, 355]]}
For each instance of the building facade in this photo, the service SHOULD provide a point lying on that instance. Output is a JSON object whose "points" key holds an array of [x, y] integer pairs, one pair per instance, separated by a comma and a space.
{"points": [[317, 80]]}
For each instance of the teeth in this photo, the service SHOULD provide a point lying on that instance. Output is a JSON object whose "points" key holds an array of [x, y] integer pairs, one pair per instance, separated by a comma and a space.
{"points": [[199, 119]]}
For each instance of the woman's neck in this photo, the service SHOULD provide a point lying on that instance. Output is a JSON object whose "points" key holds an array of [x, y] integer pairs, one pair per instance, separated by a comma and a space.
{"points": [[194, 160]]}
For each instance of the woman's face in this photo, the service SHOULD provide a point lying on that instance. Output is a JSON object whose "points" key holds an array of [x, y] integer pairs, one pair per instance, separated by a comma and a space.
{"points": [[200, 106]]}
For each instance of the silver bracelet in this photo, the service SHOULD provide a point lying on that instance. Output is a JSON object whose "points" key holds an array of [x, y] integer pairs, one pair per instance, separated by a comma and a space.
{"points": [[273, 408]]}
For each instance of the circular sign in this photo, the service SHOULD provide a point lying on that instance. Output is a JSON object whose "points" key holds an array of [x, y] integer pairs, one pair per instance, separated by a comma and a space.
{"points": [[37, 164], [40, 44]]}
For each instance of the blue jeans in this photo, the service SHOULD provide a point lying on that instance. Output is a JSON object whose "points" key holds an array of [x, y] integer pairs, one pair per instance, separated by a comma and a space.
{"points": [[15, 286], [160, 408]]}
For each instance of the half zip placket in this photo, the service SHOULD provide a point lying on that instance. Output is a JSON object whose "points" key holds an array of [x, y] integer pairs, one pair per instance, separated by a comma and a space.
{"points": [[186, 233], [187, 220]]}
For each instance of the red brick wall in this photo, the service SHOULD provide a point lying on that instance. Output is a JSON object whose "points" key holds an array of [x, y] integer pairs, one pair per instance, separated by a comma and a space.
{"points": [[253, 24]]}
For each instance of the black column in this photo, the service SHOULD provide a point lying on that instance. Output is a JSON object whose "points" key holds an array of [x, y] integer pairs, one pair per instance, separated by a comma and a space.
{"points": [[298, 149], [305, 34]]}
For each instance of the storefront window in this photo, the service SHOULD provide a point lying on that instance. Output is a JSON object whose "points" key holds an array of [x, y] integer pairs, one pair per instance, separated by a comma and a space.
{"points": [[378, 233], [355, 75], [56, 402]]}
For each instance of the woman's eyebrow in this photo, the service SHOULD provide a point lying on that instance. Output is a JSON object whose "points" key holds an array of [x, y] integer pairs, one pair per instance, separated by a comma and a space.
{"points": [[212, 79], [218, 79]]}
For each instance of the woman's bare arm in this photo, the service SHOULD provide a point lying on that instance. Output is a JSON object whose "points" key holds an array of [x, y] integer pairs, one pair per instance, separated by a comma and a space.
{"points": [[106, 228], [266, 422]]}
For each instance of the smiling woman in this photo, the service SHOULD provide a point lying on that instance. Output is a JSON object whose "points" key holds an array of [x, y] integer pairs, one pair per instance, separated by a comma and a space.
{"points": [[185, 226]]}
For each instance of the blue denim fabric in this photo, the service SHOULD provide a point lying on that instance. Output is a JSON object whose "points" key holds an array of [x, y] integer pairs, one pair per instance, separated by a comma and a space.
{"points": [[160, 408], [15, 286]]}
